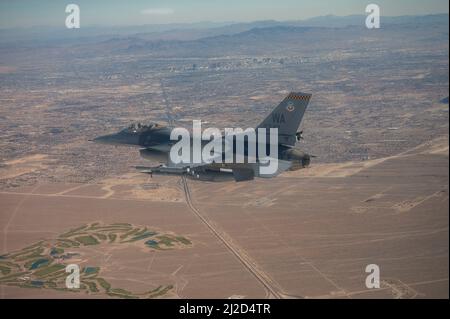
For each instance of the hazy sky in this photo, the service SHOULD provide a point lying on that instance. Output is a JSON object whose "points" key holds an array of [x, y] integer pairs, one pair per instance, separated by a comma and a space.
{"points": [[25, 13]]}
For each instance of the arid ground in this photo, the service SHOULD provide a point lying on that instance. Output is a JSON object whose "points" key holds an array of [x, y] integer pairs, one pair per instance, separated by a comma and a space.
{"points": [[376, 192], [308, 234]]}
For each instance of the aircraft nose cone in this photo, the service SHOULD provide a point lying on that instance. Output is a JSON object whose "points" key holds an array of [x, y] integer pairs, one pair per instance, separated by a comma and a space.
{"points": [[99, 139], [107, 139], [121, 138]]}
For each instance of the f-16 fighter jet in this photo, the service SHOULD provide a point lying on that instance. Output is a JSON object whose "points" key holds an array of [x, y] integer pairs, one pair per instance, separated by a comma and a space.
{"points": [[240, 155]]}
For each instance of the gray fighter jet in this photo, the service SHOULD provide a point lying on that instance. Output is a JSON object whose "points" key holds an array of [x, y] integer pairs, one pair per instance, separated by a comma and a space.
{"points": [[155, 144]]}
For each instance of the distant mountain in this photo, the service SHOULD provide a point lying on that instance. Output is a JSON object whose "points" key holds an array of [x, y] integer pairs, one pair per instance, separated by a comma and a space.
{"points": [[272, 37], [196, 31], [253, 41], [332, 21]]}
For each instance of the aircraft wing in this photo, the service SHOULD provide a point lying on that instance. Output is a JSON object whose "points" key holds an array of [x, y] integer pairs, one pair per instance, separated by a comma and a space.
{"points": [[241, 172], [282, 167]]}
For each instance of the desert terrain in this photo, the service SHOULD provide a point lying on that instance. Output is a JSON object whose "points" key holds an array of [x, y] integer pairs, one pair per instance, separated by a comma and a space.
{"points": [[309, 233], [376, 191]]}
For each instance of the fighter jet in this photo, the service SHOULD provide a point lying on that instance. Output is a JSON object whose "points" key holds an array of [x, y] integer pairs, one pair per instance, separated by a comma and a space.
{"points": [[154, 142]]}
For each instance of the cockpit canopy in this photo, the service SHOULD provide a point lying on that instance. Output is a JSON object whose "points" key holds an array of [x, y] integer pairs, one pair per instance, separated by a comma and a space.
{"points": [[139, 127]]}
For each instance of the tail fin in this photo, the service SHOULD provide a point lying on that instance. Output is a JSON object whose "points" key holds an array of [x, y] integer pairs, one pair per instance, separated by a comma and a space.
{"points": [[287, 117]]}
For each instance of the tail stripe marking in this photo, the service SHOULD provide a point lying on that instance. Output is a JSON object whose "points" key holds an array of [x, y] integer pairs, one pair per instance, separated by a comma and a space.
{"points": [[298, 97]]}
